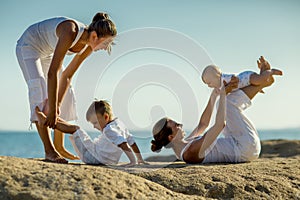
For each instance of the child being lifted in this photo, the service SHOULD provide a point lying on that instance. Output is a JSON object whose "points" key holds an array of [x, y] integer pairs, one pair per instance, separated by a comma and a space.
{"points": [[213, 77]]}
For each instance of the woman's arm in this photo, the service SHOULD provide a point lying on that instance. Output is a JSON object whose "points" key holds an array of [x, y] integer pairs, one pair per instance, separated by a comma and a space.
{"points": [[66, 37], [66, 77], [206, 115], [196, 152], [211, 135]]}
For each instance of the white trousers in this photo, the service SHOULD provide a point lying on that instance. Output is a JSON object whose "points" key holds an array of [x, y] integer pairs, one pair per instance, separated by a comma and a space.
{"points": [[35, 70], [85, 148], [241, 142]]}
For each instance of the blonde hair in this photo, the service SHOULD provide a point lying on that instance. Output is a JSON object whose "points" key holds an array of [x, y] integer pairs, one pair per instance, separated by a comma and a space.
{"points": [[99, 107]]}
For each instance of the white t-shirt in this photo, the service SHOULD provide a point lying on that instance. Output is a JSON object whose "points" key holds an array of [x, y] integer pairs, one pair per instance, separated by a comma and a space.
{"points": [[41, 39], [103, 149]]}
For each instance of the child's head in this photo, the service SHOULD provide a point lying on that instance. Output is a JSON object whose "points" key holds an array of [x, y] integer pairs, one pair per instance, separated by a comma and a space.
{"points": [[211, 76], [99, 114]]}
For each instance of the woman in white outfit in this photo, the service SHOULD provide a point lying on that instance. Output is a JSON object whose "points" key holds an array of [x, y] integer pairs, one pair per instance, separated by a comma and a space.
{"points": [[40, 52], [240, 142]]}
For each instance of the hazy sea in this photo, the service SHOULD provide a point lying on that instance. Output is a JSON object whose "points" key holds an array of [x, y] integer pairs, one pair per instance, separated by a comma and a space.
{"points": [[27, 144]]}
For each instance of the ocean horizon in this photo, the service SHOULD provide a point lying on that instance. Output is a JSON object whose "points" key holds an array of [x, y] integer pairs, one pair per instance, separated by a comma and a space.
{"points": [[27, 144]]}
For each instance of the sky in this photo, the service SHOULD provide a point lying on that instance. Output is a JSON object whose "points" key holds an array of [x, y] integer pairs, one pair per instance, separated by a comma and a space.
{"points": [[161, 48]]}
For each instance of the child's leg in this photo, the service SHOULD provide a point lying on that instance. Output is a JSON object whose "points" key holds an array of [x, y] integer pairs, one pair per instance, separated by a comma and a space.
{"points": [[59, 145], [258, 79], [61, 125], [85, 147]]}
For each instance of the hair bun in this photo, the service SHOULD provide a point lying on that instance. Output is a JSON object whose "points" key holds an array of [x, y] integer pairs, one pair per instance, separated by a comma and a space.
{"points": [[100, 16], [155, 147]]}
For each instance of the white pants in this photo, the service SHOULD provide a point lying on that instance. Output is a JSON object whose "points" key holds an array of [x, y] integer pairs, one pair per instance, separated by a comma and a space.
{"points": [[85, 148], [241, 142], [95, 151], [240, 127], [35, 70]]}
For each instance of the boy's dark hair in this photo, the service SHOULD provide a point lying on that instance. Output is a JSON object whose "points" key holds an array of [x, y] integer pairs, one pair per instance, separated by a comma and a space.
{"points": [[99, 107]]}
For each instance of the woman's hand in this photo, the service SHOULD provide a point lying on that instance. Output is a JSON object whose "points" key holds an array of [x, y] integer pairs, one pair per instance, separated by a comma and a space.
{"points": [[233, 83], [215, 92], [222, 90], [51, 119]]}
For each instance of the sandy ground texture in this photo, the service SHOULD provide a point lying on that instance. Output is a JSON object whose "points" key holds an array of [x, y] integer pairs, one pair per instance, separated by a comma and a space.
{"points": [[276, 175]]}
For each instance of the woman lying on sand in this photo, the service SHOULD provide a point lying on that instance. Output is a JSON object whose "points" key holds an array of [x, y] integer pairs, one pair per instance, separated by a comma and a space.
{"points": [[240, 142]]}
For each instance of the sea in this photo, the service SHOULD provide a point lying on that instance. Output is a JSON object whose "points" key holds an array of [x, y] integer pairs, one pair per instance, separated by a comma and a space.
{"points": [[27, 144]]}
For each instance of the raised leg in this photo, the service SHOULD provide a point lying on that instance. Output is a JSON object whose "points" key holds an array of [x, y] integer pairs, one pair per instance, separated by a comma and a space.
{"points": [[257, 79], [252, 90], [61, 125]]}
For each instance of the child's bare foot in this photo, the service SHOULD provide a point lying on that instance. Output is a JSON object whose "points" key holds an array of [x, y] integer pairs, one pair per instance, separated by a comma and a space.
{"points": [[55, 157], [276, 72], [41, 116]]}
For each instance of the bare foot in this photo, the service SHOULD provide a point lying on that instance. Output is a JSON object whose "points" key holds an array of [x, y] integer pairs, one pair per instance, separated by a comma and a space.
{"points": [[41, 116], [276, 72], [269, 73], [55, 157], [66, 154]]}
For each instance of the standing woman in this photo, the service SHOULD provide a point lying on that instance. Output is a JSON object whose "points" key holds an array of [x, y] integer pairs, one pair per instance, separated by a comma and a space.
{"points": [[40, 52]]}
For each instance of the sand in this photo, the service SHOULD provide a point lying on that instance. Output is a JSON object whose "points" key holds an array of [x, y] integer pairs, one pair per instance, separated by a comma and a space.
{"points": [[275, 175]]}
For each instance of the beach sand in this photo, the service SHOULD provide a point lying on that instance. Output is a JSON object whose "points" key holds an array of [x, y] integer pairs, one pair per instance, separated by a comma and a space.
{"points": [[275, 175]]}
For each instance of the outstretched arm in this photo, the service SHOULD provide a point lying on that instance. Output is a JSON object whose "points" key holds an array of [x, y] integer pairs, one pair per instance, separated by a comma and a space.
{"points": [[196, 152], [206, 115], [127, 150], [66, 77], [212, 134], [138, 154], [66, 33]]}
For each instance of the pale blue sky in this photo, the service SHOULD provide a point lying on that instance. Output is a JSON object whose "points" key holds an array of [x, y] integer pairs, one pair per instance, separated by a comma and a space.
{"points": [[234, 34]]}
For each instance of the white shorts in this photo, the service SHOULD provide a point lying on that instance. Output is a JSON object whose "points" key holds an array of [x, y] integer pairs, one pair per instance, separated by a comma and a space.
{"points": [[244, 78], [35, 71]]}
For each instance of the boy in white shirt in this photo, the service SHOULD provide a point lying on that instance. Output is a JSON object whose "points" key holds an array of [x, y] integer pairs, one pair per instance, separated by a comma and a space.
{"points": [[109, 146]]}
